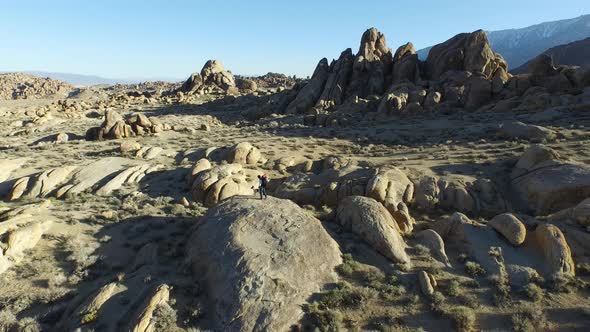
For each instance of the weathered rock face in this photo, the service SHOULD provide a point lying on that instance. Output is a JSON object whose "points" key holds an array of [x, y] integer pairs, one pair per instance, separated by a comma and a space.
{"points": [[260, 261], [20, 230], [406, 64], [390, 187], [465, 194], [465, 52], [213, 185], [547, 184], [427, 282], [243, 153], [541, 66], [371, 71], [431, 240], [340, 72], [310, 93], [212, 76], [554, 248], [372, 222], [104, 176]]}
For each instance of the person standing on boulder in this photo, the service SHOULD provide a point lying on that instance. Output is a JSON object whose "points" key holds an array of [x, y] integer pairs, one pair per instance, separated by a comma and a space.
{"points": [[262, 182]]}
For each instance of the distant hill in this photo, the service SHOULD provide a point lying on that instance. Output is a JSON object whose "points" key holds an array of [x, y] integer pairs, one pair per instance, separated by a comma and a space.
{"points": [[77, 79], [518, 46], [573, 54], [87, 80]]}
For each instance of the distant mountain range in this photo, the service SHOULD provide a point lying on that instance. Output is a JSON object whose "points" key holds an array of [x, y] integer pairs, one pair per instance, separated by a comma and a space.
{"points": [[518, 46], [87, 80]]}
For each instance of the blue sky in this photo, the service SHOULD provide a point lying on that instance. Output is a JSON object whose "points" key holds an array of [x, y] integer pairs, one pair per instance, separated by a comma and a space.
{"points": [[171, 39]]}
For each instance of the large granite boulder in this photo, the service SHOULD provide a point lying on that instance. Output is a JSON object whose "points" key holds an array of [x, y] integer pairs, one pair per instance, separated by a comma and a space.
{"points": [[546, 183], [368, 218], [259, 261], [470, 52]]}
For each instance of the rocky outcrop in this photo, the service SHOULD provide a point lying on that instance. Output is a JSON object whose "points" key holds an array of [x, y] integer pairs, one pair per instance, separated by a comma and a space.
{"points": [[20, 230], [464, 194], [243, 153], [212, 77], [325, 182], [372, 67], [115, 126], [213, 185], [23, 86], [309, 94], [465, 52], [406, 66], [103, 176], [141, 321], [390, 186], [338, 79], [367, 218], [546, 183], [259, 261]]}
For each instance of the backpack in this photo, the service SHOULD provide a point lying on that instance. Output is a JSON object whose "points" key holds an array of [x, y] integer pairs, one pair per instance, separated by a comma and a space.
{"points": [[264, 181]]}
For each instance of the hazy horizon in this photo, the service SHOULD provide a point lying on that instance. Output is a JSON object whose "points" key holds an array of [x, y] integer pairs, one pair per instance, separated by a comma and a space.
{"points": [[140, 40]]}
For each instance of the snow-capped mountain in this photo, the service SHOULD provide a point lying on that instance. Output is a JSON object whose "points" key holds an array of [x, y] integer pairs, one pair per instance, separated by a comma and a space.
{"points": [[520, 45]]}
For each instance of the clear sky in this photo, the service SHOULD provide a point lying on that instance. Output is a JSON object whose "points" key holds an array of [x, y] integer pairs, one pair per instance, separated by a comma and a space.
{"points": [[171, 39]]}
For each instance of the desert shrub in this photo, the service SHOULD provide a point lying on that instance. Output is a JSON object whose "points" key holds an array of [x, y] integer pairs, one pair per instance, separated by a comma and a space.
{"points": [[89, 317], [463, 318], [533, 292], [421, 250], [80, 252], [454, 288], [343, 296], [437, 302], [530, 319], [373, 278], [469, 300], [324, 320], [348, 267], [28, 324], [501, 296], [474, 269], [7, 320], [164, 318]]}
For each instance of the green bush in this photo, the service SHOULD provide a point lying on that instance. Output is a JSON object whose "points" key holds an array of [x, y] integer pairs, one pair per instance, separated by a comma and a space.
{"points": [[463, 317], [530, 319], [474, 269], [454, 288], [533, 292], [324, 320]]}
